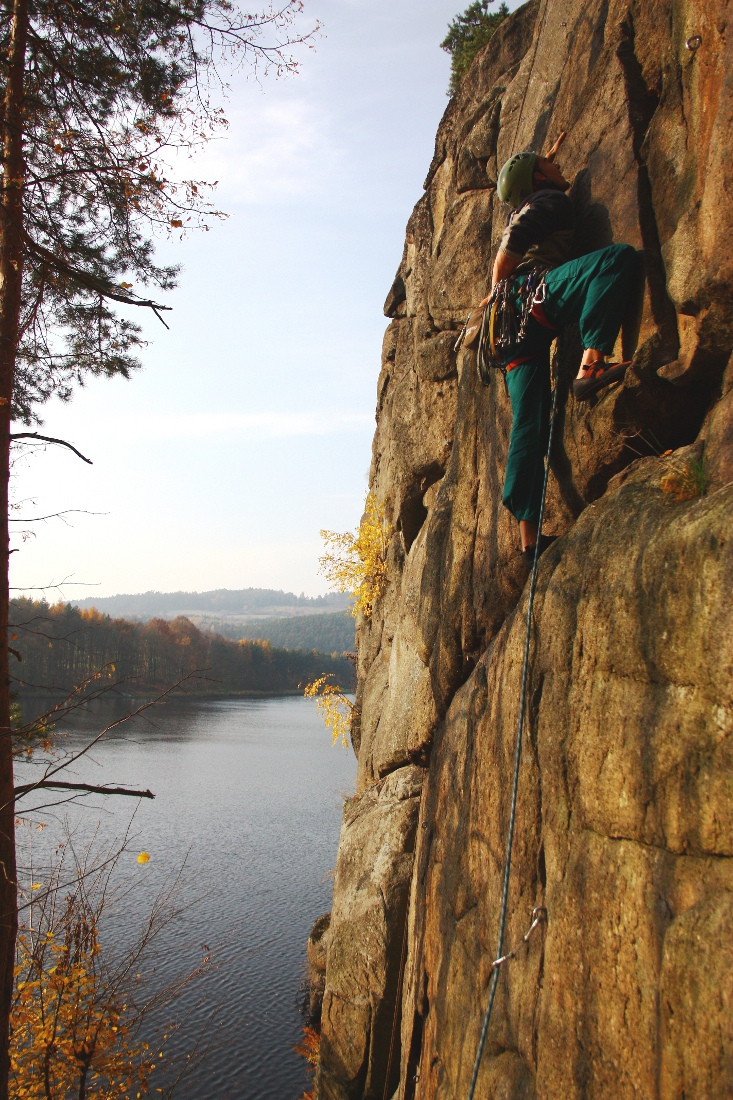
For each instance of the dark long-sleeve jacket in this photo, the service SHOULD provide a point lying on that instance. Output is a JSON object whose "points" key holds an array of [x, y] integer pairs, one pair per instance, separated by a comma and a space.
{"points": [[541, 230]]}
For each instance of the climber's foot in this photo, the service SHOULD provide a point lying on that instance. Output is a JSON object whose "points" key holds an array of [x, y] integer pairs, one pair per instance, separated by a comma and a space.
{"points": [[598, 377], [528, 552]]}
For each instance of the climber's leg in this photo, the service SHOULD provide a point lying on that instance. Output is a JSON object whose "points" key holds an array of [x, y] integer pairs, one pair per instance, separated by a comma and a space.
{"points": [[594, 291], [529, 392]]}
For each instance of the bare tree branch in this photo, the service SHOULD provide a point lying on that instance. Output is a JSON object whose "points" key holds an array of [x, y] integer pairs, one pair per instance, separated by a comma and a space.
{"points": [[51, 771], [50, 439], [58, 515], [26, 788], [91, 282]]}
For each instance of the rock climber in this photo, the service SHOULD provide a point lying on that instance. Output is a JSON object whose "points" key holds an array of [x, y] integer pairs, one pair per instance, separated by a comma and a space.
{"points": [[593, 290]]}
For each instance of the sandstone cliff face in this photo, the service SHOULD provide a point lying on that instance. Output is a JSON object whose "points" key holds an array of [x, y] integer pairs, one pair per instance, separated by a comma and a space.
{"points": [[625, 821]]}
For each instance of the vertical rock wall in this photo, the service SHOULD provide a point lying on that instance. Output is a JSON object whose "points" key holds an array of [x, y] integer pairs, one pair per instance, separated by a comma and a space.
{"points": [[625, 821]]}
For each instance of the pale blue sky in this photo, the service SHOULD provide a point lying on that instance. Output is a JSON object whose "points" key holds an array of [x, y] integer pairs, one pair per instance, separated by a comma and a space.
{"points": [[250, 427]]}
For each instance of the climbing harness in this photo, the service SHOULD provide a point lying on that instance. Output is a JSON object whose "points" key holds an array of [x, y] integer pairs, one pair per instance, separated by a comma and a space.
{"points": [[505, 320], [539, 913]]}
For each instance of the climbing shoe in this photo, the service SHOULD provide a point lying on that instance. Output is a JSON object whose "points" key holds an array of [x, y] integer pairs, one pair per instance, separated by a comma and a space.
{"points": [[545, 541], [603, 375]]}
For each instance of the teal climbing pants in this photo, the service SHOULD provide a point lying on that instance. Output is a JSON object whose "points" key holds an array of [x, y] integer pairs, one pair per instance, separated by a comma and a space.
{"points": [[592, 291]]}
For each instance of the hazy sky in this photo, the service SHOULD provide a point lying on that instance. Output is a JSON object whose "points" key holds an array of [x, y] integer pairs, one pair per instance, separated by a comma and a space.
{"points": [[250, 427]]}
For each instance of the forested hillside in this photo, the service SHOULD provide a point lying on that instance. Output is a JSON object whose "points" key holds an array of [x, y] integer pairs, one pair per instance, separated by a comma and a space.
{"points": [[60, 646], [327, 633], [220, 601]]}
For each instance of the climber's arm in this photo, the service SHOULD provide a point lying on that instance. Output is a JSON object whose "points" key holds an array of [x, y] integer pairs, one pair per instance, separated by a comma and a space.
{"points": [[555, 149], [504, 265]]}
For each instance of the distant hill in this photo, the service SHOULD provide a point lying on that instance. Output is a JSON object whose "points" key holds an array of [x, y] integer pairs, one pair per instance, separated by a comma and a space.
{"points": [[221, 603], [331, 633]]}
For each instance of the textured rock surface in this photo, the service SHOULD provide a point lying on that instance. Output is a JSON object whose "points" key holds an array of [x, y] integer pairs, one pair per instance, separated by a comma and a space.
{"points": [[317, 953], [625, 822], [366, 936]]}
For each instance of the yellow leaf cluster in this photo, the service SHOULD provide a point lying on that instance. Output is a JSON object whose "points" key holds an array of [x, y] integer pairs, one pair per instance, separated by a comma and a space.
{"points": [[71, 1032], [356, 561], [333, 706]]}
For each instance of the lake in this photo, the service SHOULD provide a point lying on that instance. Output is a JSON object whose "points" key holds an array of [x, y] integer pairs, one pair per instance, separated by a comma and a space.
{"points": [[249, 796]]}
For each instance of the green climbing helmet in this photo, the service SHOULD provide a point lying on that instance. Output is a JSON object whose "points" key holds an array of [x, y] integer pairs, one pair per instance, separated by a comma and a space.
{"points": [[516, 182]]}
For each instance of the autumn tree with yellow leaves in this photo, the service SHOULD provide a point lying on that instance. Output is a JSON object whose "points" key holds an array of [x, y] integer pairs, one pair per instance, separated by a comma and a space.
{"points": [[355, 562], [77, 1016], [97, 97], [71, 1032], [334, 707]]}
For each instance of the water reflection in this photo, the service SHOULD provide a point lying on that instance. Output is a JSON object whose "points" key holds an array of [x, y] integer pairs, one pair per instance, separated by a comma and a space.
{"points": [[249, 793]]}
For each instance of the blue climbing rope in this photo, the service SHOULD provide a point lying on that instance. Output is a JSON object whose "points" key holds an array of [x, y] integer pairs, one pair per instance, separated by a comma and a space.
{"points": [[496, 965]]}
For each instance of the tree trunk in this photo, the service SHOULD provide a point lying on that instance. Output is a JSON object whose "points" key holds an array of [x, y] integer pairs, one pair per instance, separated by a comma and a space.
{"points": [[11, 277]]}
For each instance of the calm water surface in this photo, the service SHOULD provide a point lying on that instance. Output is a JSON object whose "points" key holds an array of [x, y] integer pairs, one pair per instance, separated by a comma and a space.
{"points": [[249, 794]]}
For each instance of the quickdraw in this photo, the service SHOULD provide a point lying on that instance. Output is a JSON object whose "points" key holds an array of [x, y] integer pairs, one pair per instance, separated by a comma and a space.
{"points": [[499, 330]]}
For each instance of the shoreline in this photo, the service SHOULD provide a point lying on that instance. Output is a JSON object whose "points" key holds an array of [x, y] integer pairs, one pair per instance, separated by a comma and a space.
{"points": [[45, 693]]}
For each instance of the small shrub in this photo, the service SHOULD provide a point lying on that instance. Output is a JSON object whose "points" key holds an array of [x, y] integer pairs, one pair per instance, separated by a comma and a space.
{"points": [[467, 33], [79, 1010], [356, 562], [309, 1046], [308, 1049], [73, 1032], [333, 706]]}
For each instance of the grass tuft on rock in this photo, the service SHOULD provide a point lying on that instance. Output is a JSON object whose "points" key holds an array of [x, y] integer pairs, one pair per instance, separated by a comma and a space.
{"points": [[687, 483]]}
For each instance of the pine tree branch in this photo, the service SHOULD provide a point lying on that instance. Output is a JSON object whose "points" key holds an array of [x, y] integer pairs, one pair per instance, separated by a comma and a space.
{"points": [[91, 282]]}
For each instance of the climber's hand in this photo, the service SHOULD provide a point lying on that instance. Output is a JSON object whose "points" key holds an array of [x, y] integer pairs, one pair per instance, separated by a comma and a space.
{"points": [[555, 149]]}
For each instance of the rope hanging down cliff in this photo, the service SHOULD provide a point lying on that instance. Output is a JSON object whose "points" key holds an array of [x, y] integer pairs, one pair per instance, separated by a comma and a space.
{"points": [[538, 914]]}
